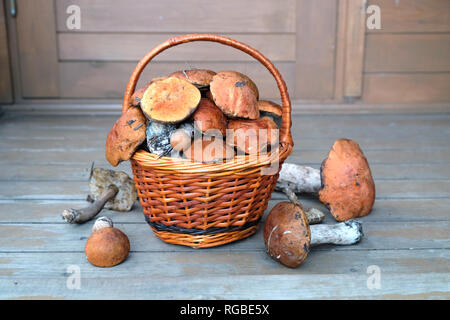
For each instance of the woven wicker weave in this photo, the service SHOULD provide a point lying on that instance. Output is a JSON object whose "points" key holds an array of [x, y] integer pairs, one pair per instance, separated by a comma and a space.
{"points": [[207, 204]]}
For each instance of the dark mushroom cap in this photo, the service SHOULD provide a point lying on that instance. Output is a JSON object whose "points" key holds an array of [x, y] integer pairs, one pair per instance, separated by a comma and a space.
{"points": [[347, 189], [198, 77], [107, 247], [171, 100], [235, 94], [287, 235], [209, 118], [127, 133], [252, 136], [214, 150]]}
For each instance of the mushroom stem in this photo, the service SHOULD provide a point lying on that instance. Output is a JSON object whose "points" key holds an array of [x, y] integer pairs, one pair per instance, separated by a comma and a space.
{"points": [[300, 179], [89, 212], [314, 215], [343, 233]]}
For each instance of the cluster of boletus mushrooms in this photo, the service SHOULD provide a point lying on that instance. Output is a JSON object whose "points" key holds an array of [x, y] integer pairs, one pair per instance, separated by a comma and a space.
{"points": [[206, 116]]}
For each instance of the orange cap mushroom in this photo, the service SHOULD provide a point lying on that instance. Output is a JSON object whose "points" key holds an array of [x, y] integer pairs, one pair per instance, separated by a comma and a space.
{"points": [[208, 118], [107, 246], [201, 78], [127, 133], [170, 100], [252, 136], [235, 94], [348, 189]]}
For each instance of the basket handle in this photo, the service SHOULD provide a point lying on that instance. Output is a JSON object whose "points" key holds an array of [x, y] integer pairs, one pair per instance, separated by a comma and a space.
{"points": [[285, 131]]}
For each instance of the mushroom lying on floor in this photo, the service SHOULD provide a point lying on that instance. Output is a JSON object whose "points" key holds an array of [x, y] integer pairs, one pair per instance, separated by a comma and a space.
{"points": [[109, 189], [344, 182], [288, 236], [107, 246]]}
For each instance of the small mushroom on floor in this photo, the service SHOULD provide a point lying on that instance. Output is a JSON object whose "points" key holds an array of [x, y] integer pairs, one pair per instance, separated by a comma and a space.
{"points": [[109, 189], [107, 246], [235, 94], [344, 182], [288, 236]]}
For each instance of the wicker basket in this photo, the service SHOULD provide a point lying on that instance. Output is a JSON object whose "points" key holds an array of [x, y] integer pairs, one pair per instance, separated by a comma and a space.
{"points": [[207, 204]]}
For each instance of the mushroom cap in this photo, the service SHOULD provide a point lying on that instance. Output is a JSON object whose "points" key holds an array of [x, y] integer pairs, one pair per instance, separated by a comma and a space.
{"points": [[270, 109], [252, 136], [158, 137], [209, 118], [348, 189], [287, 235], [198, 77], [136, 98], [213, 150], [170, 100], [107, 247], [235, 94], [127, 133], [103, 178]]}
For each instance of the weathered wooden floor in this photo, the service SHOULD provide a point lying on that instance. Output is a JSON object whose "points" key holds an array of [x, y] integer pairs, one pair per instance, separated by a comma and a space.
{"points": [[44, 166]]}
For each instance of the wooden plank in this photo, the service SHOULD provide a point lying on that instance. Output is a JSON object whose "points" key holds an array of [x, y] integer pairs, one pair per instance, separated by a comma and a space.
{"points": [[413, 16], [354, 47], [36, 34], [314, 278], [341, 37], [109, 79], [316, 40], [48, 211], [197, 16], [78, 190], [296, 286], [132, 47], [64, 237], [406, 88], [80, 172], [6, 93], [407, 53]]}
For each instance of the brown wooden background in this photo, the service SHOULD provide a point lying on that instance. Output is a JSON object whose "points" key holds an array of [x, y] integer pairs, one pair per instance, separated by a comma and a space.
{"points": [[321, 47]]}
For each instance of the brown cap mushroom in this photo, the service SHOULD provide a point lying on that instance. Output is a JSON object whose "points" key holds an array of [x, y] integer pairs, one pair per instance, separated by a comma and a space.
{"points": [[107, 246], [109, 189], [270, 109], [235, 94], [252, 136], [214, 150], [136, 98], [344, 183], [201, 78], [171, 100], [127, 133], [208, 118], [288, 236], [348, 188]]}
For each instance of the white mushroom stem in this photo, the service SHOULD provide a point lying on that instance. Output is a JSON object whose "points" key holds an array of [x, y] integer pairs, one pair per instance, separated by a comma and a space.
{"points": [[89, 212], [314, 215], [343, 233], [102, 222], [300, 179]]}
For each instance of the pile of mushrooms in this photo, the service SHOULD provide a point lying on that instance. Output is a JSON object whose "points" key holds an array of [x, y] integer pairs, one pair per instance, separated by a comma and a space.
{"points": [[196, 114]]}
